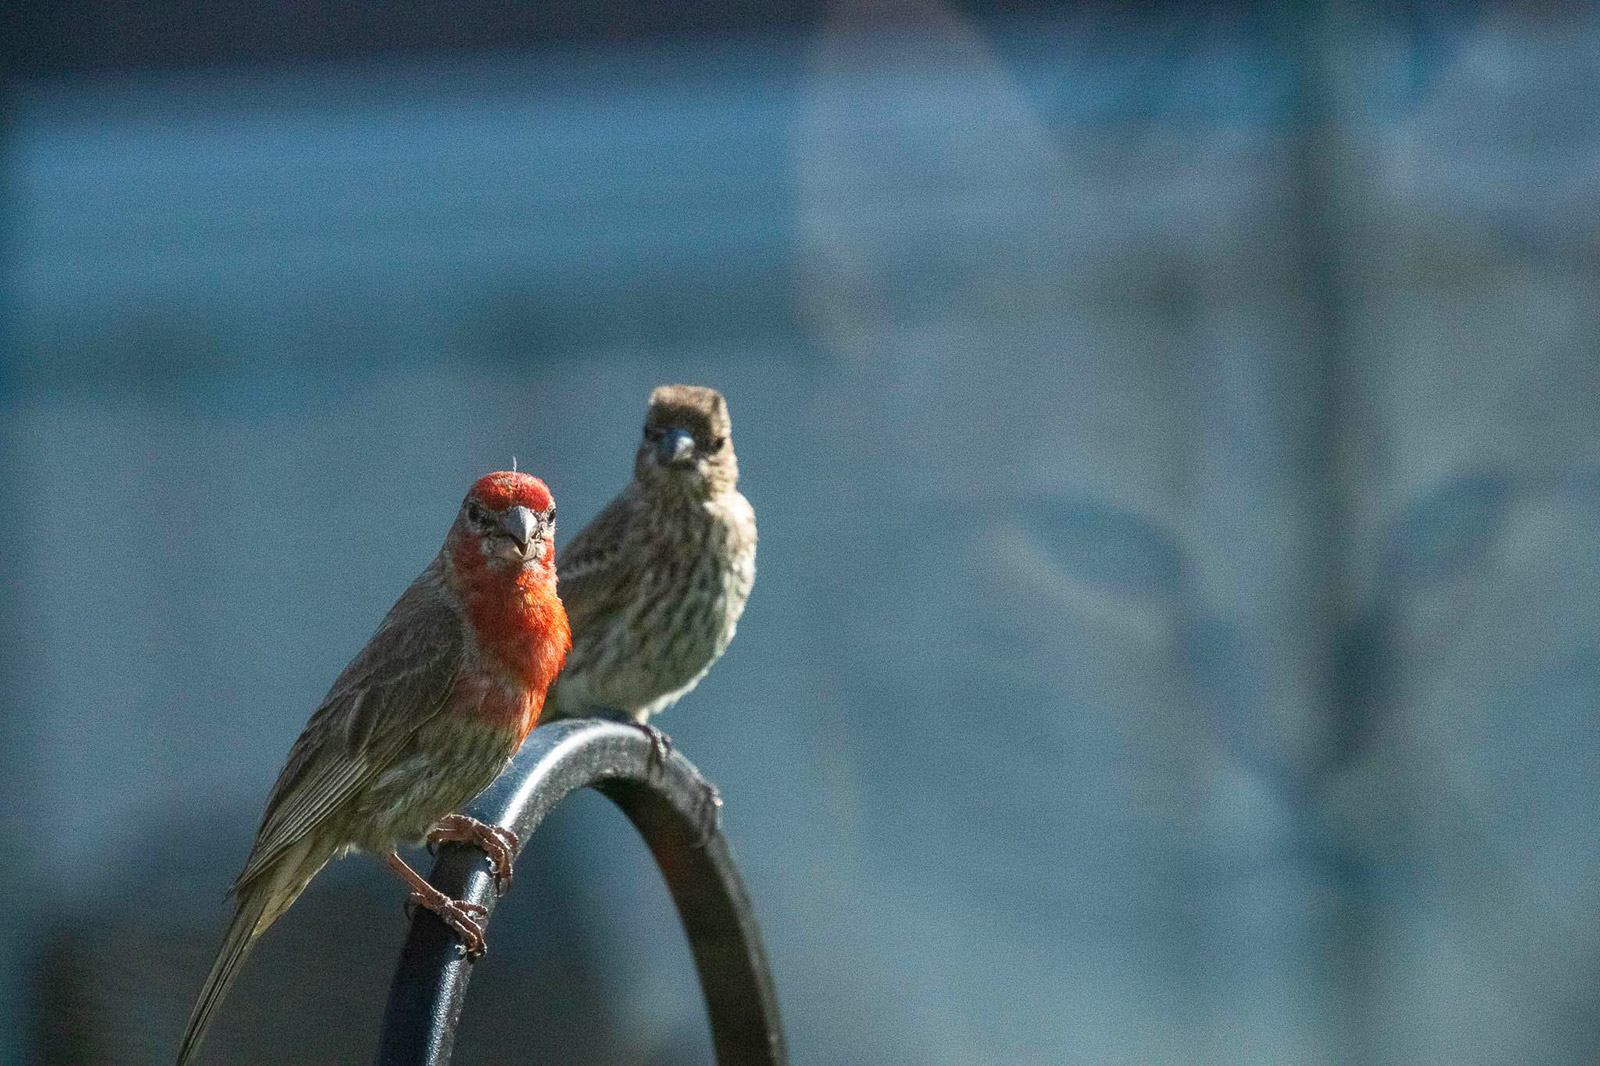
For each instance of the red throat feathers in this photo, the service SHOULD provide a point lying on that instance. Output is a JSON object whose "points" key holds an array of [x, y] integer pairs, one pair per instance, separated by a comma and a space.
{"points": [[515, 613]]}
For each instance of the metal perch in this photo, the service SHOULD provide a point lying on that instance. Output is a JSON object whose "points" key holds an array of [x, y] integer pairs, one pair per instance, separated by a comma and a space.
{"points": [[666, 803]]}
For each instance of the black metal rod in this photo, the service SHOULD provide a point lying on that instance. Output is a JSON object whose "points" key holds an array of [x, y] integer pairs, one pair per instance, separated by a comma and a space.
{"points": [[666, 803]]}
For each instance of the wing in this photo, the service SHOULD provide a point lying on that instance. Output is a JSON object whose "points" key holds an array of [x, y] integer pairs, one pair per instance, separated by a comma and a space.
{"points": [[401, 679], [593, 567]]}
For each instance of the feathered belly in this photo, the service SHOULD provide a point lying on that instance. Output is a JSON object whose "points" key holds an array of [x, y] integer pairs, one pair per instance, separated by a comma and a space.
{"points": [[648, 656], [444, 765]]}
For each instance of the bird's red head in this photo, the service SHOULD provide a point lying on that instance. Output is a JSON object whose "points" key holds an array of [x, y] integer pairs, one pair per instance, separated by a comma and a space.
{"points": [[507, 523], [511, 488]]}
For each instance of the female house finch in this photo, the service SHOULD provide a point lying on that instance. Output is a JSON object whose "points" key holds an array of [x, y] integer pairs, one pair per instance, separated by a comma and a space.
{"points": [[656, 583], [419, 723]]}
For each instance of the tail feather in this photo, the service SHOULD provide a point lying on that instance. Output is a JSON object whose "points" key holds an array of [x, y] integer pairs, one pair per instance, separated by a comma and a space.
{"points": [[256, 907]]}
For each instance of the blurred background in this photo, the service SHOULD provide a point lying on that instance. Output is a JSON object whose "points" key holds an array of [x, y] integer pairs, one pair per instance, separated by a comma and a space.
{"points": [[1175, 433]]}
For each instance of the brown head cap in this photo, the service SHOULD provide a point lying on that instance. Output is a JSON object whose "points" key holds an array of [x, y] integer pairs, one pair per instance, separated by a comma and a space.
{"points": [[702, 415], [699, 410]]}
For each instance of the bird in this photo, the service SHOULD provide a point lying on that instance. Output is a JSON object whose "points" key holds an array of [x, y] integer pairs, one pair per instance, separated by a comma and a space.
{"points": [[655, 584], [419, 722]]}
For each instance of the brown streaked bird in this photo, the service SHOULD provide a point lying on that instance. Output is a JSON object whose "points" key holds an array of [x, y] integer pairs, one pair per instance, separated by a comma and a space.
{"points": [[420, 722], [656, 583]]}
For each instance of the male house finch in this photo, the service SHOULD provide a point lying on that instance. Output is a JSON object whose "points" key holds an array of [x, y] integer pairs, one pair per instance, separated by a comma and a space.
{"points": [[419, 723], [656, 583]]}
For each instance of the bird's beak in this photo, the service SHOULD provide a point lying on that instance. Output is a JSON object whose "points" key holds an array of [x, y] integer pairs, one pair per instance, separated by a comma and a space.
{"points": [[518, 523], [674, 443]]}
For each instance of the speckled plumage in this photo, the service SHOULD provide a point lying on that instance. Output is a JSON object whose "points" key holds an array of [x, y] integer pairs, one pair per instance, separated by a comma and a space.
{"points": [[655, 584], [420, 722]]}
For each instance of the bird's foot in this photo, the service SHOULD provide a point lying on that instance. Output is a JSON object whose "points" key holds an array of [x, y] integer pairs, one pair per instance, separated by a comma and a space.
{"points": [[660, 745], [708, 812], [465, 918], [497, 842]]}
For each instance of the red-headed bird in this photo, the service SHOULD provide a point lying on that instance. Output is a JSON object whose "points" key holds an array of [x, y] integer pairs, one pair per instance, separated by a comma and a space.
{"points": [[656, 583], [422, 720]]}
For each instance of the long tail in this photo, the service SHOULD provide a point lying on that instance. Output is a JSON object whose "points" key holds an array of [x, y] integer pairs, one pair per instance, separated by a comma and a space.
{"points": [[257, 906]]}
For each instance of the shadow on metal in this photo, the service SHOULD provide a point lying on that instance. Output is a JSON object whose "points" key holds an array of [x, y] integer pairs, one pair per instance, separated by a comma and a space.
{"points": [[667, 805]]}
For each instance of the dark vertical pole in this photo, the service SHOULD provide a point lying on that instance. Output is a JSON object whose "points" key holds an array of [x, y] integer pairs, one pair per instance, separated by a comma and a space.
{"points": [[1325, 204], [13, 751]]}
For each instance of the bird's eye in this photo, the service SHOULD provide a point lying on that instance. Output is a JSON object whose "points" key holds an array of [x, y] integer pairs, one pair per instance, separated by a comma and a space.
{"points": [[476, 513], [717, 443], [653, 433], [550, 515]]}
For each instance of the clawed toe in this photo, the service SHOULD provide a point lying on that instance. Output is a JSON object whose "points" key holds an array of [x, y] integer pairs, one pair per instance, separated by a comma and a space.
{"points": [[660, 745], [459, 915], [500, 860], [497, 842], [709, 812], [464, 919], [500, 867]]}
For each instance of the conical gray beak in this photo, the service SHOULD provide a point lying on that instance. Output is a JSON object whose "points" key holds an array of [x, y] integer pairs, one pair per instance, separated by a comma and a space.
{"points": [[518, 523], [672, 445]]}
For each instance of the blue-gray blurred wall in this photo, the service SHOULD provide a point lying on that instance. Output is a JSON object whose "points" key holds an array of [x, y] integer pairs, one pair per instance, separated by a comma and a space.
{"points": [[1176, 443]]}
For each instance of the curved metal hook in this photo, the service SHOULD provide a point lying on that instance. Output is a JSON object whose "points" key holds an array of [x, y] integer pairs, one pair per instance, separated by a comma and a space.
{"points": [[665, 802]]}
